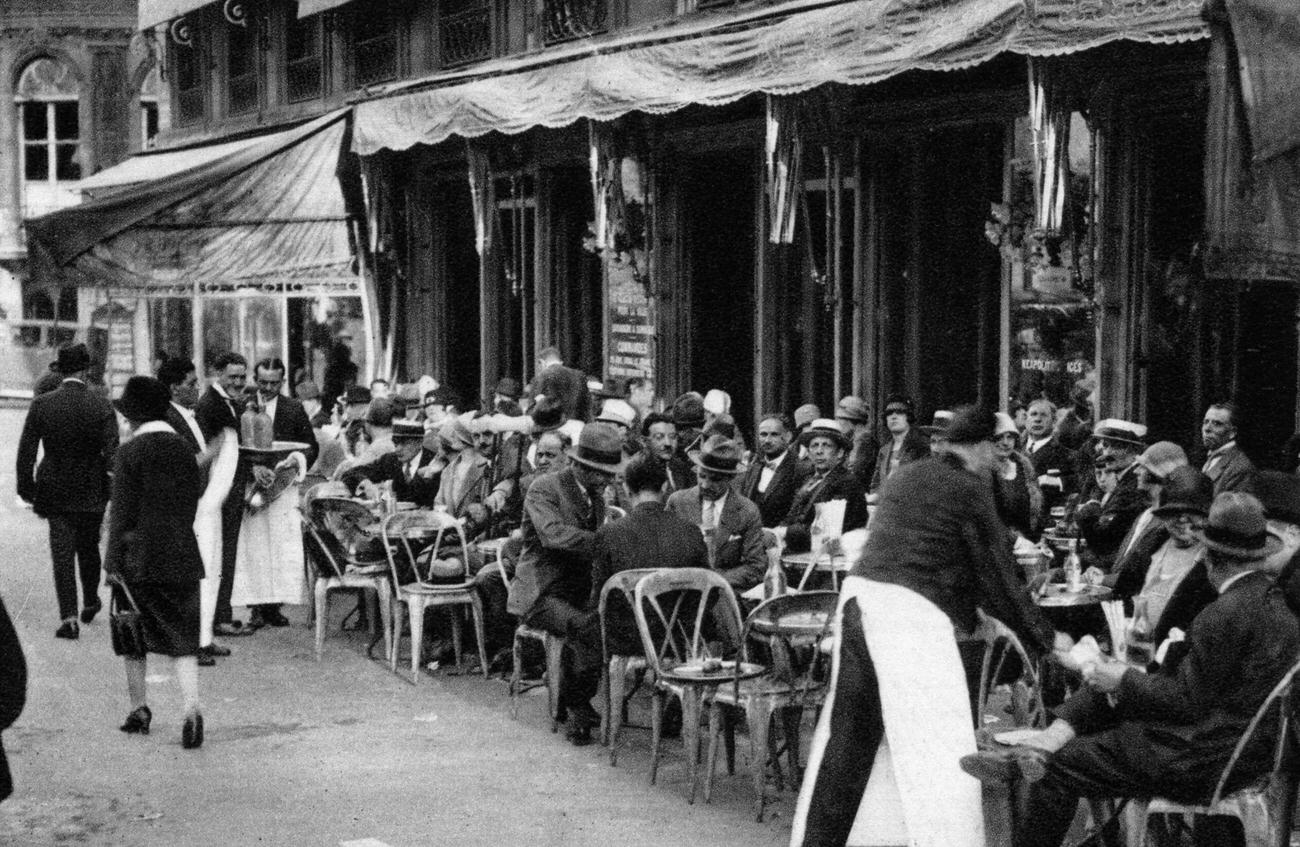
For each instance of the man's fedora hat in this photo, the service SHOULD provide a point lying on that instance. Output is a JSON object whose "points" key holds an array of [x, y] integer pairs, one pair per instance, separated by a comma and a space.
{"points": [[616, 411], [144, 399], [805, 415], [1115, 429], [404, 430], [600, 446], [1237, 528], [854, 409], [547, 414], [719, 455], [1163, 458], [1280, 494], [1185, 490], [825, 428], [939, 424], [72, 358], [971, 425], [508, 387]]}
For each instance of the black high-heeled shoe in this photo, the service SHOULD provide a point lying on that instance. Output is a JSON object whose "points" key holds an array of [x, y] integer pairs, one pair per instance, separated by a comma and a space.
{"points": [[138, 721], [192, 734]]}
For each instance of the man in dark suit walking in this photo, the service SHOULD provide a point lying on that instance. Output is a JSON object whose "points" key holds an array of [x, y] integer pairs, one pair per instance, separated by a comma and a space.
{"points": [[771, 481], [219, 408], [78, 431]]}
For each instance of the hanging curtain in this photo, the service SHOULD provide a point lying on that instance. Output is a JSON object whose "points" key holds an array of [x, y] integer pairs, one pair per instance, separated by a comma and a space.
{"points": [[604, 164], [1049, 120], [482, 194], [783, 154]]}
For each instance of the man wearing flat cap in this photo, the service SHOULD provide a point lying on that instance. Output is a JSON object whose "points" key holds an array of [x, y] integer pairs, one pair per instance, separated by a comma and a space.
{"points": [[827, 446], [77, 430], [1105, 520], [732, 526], [562, 512]]}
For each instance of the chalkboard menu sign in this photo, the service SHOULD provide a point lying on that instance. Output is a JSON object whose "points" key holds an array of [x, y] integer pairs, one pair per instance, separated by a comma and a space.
{"points": [[630, 340]]}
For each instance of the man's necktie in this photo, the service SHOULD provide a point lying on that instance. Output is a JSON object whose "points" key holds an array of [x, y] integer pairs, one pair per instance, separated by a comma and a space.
{"points": [[707, 514]]}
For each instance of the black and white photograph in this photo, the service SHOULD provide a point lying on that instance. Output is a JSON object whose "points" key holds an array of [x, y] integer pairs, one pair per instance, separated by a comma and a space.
{"points": [[769, 423]]}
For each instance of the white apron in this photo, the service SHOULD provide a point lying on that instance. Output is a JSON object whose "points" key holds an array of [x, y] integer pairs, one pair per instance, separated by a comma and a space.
{"points": [[269, 561], [207, 528], [917, 794]]}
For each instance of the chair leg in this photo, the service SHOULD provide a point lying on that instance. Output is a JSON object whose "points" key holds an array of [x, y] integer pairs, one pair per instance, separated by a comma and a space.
{"points": [[656, 730], [554, 671], [385, 598], [415, 610], [476, 609], [692, 699], [516, 673], [760, 718], [729, 735], [1135, 823], [791, 717], [399, 615], [322, 592], [457, 637], [716, 720], [615, 685]]}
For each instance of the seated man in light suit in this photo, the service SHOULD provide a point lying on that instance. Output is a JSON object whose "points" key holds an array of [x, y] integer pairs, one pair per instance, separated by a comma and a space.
{"points": [[736, 546]]}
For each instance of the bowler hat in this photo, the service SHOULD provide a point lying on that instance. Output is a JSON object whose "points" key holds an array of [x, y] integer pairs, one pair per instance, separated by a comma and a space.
{"points": [[1126, 432], [72, 358], [547, 414], [1163, 458], [1280, 494], [939, 424], [404, 430], [1237, 529], [508, 387], [971, 425], [144, 399], [825, 428], [1185, 490], [852, 408], [718, 454], [688, 409], [600, 446]]}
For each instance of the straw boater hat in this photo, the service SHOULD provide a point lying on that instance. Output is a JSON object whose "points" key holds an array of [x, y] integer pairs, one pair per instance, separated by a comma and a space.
{"points": [[826, 428], [600, 446], [1185, 490], [1237, 529], [143, 399], [939, 425], [1126, 432], [356, 396], [404, 430], [719, 455]]}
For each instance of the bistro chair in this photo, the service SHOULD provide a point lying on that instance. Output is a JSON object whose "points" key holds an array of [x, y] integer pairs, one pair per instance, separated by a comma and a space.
{"points": [[1000, 647], [418, 539], [617, 668], [552, 646], [336, 547], [1266, 807], [794, 627], [673, 607]]}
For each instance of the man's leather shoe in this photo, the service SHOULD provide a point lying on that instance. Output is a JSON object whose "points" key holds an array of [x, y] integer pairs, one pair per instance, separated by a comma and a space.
{"points": [[216, 649], [69, 630], [578, 732], [192, 732], [274, 617], [232, 629], [206, 660], [1002, 766], [88, 612], [256, 620]]}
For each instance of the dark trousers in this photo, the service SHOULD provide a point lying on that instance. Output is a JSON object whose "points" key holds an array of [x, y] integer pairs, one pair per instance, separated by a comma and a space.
{"points": [[232, 515], [74, 549], [856, 730], [580, 663]]}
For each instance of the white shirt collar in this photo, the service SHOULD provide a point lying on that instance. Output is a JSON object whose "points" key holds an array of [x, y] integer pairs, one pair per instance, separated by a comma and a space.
{"points": [[154, 426], [220, 389], [776, 463], [1227, 583], [185, 412], [1037, 443], [1214, 454], [73, 379]]}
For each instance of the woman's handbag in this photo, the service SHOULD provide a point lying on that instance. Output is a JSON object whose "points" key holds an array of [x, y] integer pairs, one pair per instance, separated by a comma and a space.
{"points": [[125, 627]]}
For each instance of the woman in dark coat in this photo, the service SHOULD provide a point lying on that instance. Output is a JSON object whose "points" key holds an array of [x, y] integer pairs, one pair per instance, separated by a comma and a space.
{"points": [[152, 549]]}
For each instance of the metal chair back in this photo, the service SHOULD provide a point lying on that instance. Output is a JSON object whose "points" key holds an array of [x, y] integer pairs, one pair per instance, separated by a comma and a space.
{"points": [[400, 529], [671, 607], [784, 622]]}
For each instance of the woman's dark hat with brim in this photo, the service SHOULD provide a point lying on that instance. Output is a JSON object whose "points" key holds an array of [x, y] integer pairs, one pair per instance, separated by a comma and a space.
{"points": [[688, 410], [718, 454], [600, 447], [825, 428], [1237, 529], [1185, 490], [143, 399], [72, 358], [548, 415]]}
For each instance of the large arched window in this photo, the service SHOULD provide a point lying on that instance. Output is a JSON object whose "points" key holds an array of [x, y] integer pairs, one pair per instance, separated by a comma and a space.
{"points": [[50, 123]]}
